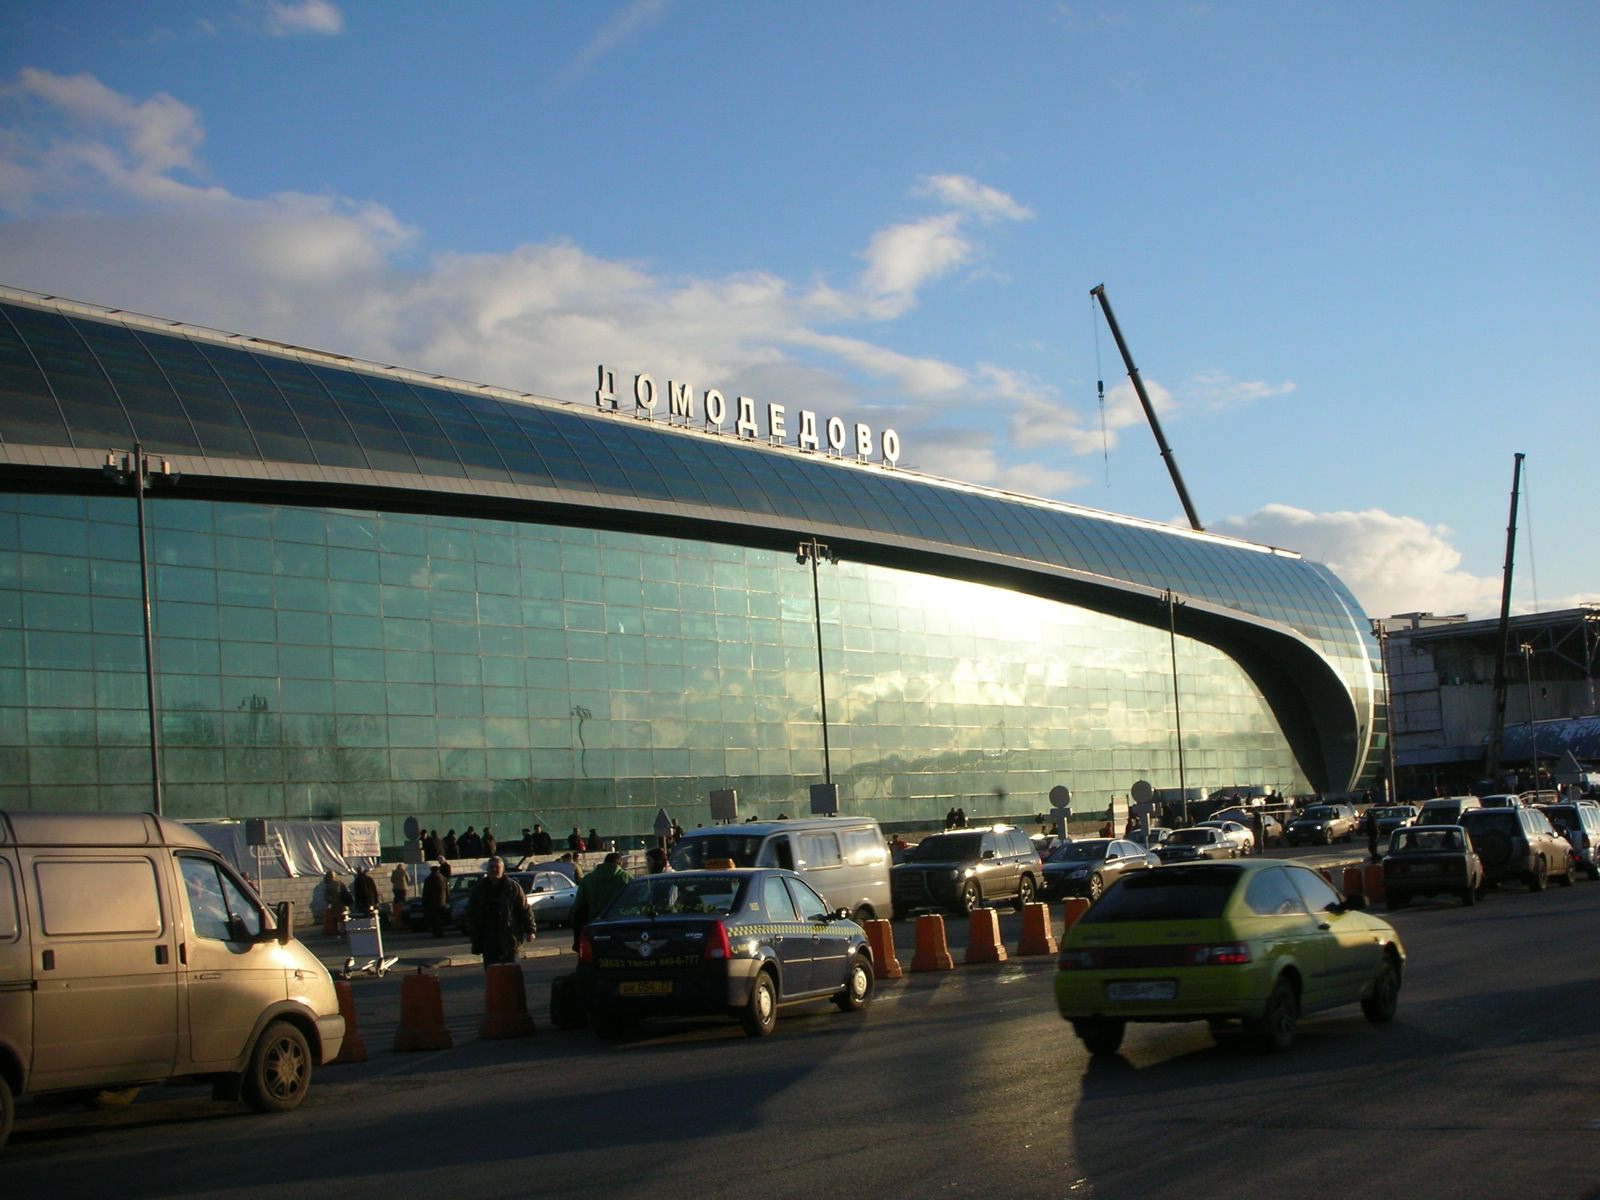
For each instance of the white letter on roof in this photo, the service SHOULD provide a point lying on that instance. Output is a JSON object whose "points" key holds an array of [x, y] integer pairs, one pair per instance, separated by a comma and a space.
{"points": [[680, 400], [644, 393], [745, 427], [807, 437], [606, 394]]}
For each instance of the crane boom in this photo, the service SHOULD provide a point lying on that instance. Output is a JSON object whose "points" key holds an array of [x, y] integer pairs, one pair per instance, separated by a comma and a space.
{"points": [[1497, 731], [1099, 292]]}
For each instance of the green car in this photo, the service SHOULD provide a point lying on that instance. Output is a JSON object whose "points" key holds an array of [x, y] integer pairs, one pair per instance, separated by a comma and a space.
{"points": [[1259, 941]]}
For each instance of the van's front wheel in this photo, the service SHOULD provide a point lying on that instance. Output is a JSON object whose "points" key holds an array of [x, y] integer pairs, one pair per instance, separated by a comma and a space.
{"points": [[8, 1109], [279, 1072]]}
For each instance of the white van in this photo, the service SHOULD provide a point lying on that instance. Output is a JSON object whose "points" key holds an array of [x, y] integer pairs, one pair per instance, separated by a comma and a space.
{"points": [[844, 858], [131, 953]]}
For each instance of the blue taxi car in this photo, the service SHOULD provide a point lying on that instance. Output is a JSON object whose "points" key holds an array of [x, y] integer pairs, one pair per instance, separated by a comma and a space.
{"points": [[741, 942]]}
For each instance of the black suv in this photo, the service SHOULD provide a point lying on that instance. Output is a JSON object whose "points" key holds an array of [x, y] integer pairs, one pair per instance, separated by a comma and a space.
{"points": [[1518, 843], [962, 869]]}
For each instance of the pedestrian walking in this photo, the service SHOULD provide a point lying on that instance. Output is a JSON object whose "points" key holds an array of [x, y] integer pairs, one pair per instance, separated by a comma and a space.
{"points": [[435, 900], [337, 898], [400, 882], [498, 920], [364, 895], [595, 891]]}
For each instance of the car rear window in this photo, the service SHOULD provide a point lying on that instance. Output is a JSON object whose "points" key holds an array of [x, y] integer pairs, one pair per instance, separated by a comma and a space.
{"points": [[1168, 894], [697, 851], [1481, 820], [659, 895], [947, 847]]}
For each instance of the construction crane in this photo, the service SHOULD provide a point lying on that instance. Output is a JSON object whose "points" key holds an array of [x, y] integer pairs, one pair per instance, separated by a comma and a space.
{"points": [[1497, 731], [1099, 293]]}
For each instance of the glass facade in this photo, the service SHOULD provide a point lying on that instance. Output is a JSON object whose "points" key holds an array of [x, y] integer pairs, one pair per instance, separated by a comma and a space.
{"points": [[616, 627], [321, 663]]}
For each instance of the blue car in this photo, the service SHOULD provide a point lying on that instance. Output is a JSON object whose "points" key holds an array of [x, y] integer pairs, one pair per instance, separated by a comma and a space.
{"points": [[742, 942]]}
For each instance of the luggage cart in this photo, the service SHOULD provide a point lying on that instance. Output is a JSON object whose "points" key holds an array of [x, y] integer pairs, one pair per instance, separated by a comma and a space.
{"points": [[366, 947]]}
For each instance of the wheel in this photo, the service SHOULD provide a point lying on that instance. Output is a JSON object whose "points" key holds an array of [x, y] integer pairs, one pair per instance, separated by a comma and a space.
{"points": [[1469, 896], [8, 1110], [1540, 876], [1276, 1027], [1025, 891], [971, 896], [1097, 887], [760, 1015], [1327, 837], [1566, 879], [1395, 900], [279, 1072], [1594, 870], [1379, 1007], [857, 992], [1100, 1035]]}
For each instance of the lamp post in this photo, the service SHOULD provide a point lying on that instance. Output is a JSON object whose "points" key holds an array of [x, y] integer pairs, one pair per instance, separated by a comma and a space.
{"points": [[135, 468], [811, 551], [1533, 732], [1391, 785], [1171, 601]]}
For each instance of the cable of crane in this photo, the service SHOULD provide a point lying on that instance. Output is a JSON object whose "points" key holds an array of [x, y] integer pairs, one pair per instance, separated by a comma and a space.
{"points": [[1100, 389]]}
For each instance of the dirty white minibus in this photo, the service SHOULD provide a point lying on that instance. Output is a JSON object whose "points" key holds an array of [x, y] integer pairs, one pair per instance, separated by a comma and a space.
{"points": [[131, 953], [845, 859]]}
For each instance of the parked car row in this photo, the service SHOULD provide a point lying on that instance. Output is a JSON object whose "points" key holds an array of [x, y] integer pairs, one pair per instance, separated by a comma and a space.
{"points": [[1489, 845]]}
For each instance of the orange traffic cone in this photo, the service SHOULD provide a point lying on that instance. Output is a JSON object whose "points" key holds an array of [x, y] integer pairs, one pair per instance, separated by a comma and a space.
{"points": [[505, 1003], [1353, 881], [421, 1015], [354, 1049], [1374, 882], [1036, 936], [933, 952], [983, 937], [1075, 908], [880, 936]]}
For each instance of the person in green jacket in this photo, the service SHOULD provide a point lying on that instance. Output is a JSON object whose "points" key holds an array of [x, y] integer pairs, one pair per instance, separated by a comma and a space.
{"points": [[595, 891]]}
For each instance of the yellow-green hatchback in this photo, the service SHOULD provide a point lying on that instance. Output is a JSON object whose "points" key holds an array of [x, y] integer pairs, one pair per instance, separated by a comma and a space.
{"points": [[1261, 941]]}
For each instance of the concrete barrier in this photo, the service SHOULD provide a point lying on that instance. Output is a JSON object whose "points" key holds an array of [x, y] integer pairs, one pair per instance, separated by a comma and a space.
{"points": [[983, 937], [933, 949]]}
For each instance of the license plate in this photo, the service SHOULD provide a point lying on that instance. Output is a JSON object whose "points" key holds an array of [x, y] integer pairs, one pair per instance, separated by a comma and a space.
{"points": [[645, 987], [1146, 989]]}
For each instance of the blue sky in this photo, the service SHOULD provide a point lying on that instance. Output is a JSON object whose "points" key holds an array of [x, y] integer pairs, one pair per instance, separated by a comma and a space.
{"points": [[1352, 246]]}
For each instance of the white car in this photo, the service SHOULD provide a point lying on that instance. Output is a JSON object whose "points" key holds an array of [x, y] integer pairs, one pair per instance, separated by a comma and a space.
{"points": [[1240, 837], [1270, 824]]}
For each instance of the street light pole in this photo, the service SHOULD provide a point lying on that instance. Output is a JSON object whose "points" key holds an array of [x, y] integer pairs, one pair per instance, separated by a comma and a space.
{"points": [[1171, 601], [811, 551], [1533, 732], [134, 468]]}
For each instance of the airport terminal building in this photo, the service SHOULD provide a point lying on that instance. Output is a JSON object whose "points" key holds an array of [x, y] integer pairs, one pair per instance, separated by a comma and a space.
{"points": [[373, 593]]}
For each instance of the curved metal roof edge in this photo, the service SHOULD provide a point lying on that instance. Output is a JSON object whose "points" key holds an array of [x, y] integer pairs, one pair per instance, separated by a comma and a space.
{"points": [[131, 318]]}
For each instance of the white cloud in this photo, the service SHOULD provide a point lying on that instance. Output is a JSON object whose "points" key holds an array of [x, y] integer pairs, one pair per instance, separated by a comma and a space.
{"points": [[902, 258], [966, 193], [284, 19], [1218, 390], [1392, 563], [629, 24]]}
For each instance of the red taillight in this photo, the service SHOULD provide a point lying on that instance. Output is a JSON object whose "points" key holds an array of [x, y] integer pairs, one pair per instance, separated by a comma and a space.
{"points": [[1078, 960], [717, 943], [1222, 954], [585, 948]]}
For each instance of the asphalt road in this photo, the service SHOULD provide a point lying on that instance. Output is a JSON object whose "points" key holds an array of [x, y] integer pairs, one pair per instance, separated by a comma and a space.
{"points": [[959, 1083]]}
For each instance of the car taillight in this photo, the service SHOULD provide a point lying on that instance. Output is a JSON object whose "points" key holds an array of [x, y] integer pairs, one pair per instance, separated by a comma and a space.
{"points": [[717, 943], [1078, 960], [585, 948], [1222, 954]]}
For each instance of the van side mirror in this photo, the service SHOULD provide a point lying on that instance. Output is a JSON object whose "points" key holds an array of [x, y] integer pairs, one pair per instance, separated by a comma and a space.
{"points": [[1355, 902], [285, 919]]}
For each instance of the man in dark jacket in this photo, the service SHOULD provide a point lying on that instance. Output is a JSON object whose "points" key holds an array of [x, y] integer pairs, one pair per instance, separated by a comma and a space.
{"points": [[498, 920], [450, 848], [542, 842], [364, 893], [435, 900], [595, 891]]}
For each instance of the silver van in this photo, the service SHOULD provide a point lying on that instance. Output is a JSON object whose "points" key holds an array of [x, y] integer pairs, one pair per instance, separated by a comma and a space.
{"points": [[1446, 810], [845, 859], [131, 953]]}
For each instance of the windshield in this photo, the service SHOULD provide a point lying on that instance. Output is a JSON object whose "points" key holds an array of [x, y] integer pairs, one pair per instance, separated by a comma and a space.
{"points": [[1081, 852], [947, 847], [1193, 837], [1170, 894], [698, 850], [662, 895], [1318, 812], [1481, 819]]}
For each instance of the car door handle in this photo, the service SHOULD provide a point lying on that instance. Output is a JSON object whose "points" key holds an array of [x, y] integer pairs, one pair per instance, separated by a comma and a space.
{"points": [[1324, 926], [208, 975]]}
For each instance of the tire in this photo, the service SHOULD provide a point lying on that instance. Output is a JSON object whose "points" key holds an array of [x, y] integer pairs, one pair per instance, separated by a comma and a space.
{"points": [[760, 1015], [1469, 896], [1327, 837], [278, 1074], [1100, 1035], [566, 1006], [1097, 887], [1540, 876], [1379, 1007], [1566, 880], [1025, 891], [1276, 1028], [971, 896], [8, 1110], [858, 987], [1594, 872]]}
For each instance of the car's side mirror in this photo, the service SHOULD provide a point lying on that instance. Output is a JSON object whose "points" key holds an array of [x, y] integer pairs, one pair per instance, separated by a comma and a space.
{"points": [[1355, 902], [285, 919]]}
